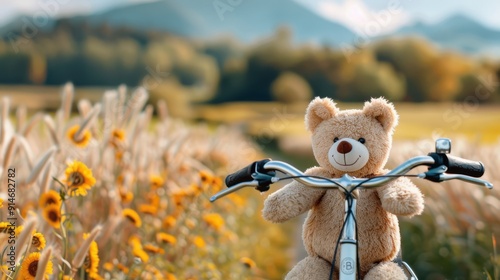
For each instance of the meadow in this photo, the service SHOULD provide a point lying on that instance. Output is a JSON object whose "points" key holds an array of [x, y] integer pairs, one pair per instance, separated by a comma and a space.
{"points": [[114, 187], [101, 192]]}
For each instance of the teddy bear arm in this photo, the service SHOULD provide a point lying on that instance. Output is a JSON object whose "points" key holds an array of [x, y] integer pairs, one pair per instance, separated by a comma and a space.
{"points": [[401, 197], [291, 201]]}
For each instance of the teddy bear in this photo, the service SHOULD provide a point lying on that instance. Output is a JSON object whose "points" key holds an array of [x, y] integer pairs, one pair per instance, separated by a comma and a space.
{"points": [[354, 142]]}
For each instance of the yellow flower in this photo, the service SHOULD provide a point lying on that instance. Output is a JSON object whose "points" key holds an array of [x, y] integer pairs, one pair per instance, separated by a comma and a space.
{"points": [[79, 178], [27, 207], [126, 196], [140, 253], [38, 241], [50, 197], [166, 238], [153, 199], [148, 209], [30, 266], [92, 260], [214, 220], [156, 181], [153, 249], [169, 222], [217, 182], [170, 276], [108, 266], [247, 262], [53, 216], [205, 177], [132, 216], [134, 241], [199, 242], [1, 203], [85, 136], [5, 227], [117, 136], [123, 268], [18, 230]]}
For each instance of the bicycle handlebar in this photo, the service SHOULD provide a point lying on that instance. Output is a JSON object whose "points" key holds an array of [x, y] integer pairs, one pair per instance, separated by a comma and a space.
{"points": [[260, 174]]}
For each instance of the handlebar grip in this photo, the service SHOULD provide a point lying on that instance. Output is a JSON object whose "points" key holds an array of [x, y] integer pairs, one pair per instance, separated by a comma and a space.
{"points": [[458, 165], [245, 174]]}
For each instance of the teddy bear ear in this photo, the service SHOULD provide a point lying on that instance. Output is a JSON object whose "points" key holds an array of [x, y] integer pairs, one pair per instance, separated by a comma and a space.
{"points": [[319, 110], [382, 111]]}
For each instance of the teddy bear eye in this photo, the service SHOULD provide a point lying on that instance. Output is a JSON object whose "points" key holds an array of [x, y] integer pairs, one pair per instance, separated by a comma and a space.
{"points": [[335, 139], [362, 140]]}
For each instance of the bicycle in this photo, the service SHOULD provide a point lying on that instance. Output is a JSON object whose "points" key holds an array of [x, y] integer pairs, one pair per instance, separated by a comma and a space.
{"points": [[441, 167]]}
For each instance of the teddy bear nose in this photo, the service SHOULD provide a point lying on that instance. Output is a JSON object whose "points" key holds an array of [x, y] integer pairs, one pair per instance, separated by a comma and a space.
{"points": [[344, 147]]}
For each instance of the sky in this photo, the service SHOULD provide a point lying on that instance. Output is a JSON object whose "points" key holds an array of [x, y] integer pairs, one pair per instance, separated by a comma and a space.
{"points": [[355, 14]]}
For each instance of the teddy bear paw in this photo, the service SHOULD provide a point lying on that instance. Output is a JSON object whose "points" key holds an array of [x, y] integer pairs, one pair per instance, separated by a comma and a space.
{"points": [[403, 202], [386, 271]]}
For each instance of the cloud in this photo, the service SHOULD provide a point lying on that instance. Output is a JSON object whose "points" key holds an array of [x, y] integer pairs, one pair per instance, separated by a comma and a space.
{"points": [[357, 16]]}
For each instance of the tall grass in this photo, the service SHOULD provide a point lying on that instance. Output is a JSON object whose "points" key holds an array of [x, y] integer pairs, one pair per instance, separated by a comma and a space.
{"points": [[455, 237], [146, 214]]}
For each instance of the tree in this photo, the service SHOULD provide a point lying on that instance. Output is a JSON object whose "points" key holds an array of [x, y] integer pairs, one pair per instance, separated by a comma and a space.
{"points": [[290, 87]]}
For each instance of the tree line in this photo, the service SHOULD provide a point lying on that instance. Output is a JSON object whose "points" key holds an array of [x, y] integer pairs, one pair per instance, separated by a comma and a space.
{"points": [[222, 69]]}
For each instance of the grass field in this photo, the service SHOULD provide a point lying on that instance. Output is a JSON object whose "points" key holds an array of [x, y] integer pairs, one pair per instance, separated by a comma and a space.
{"points": [[277, 120], [146, 200]]}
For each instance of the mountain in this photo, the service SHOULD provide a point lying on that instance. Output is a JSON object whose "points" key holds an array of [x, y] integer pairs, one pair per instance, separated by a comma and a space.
{"points": [[246, 20], [457, 32]]}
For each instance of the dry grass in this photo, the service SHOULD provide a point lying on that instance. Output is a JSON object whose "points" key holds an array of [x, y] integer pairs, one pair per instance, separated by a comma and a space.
{"points": [[455, 236], [164, 171]]}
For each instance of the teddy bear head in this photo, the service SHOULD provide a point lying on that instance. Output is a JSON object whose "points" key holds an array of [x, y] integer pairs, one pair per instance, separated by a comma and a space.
{"points": [[356, 142]]}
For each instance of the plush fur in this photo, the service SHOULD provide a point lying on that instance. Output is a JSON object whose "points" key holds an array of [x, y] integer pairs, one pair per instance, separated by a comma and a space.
{"points": [[378, 228]]}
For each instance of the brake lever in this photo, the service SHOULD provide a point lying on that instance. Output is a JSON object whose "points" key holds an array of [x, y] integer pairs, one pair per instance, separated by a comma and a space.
{"points": [[438, 174], [469, 179], [434, 174], [264, 180]]}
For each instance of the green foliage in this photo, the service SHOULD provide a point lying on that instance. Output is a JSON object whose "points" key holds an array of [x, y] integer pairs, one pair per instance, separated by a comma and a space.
{"points": [[290, 87], [222, 70]]}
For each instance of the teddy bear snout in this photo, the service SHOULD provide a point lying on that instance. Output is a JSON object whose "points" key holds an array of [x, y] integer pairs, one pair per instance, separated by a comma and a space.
{"points": [[344, 147]]}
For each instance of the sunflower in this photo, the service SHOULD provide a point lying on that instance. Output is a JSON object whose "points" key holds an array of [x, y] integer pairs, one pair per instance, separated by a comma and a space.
{"points": [[169, 222], [92, 260], [199, 242], [84, 138], [153, 249], [134, 241], [50, 197], [53, 215], [30, 266], [153, 199], [156, 181], [166, 238], [38, 241], [205, 176], [5, 227], [79, 178], [148, 209], [1, 203], [247, 262], [117, 136], [132, 216], [125, 196], [214, 220], [138, 252], [122, 268]]}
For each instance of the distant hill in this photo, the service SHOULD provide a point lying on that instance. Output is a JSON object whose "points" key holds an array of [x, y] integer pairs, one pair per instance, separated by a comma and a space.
{"points": [[250, 20], [457, 32]]}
